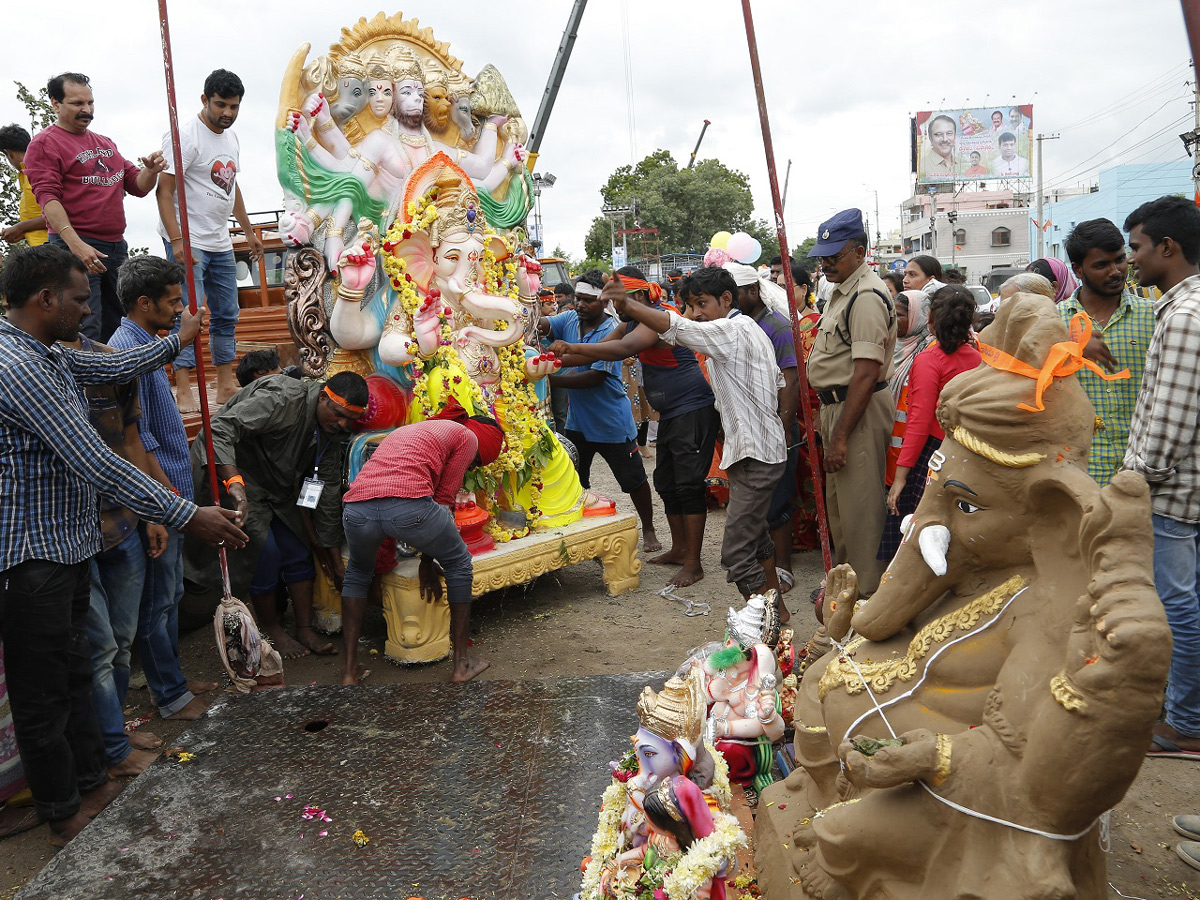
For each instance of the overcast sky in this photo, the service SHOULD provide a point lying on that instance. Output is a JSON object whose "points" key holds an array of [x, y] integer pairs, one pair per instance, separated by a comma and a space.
{"points": [[841, 81]]}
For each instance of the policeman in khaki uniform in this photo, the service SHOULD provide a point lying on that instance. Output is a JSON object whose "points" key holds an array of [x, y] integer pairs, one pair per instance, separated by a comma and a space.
{"points": [[849, 367]]}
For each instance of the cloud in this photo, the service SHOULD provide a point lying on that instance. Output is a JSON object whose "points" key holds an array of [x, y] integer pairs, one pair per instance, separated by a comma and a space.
{"points": [[840, 85]]}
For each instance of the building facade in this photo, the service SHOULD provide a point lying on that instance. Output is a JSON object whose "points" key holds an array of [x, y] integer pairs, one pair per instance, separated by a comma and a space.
{"points": [[1118, 192], [976, 231]]}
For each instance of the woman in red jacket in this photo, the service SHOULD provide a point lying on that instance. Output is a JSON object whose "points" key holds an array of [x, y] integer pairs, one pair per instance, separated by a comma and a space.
{"points": [[950, 317]]}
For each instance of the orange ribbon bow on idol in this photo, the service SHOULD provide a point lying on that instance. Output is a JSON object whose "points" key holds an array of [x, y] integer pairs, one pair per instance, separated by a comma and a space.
{"points": [[1065, 358]]}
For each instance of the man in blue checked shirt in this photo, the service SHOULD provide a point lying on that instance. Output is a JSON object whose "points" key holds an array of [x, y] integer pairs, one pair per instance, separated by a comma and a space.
{"points": [[151, 293], [55, 467]]}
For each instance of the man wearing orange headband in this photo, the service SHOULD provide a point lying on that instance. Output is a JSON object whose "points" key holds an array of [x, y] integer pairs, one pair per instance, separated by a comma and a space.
{"points": [[279, 447]]}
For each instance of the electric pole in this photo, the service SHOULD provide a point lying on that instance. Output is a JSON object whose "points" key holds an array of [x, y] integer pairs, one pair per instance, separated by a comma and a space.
{"points": [[1041, 224]]}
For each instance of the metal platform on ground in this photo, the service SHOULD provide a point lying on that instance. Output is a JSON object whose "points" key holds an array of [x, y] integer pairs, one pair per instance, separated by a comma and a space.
{"points": [[484, 790]]}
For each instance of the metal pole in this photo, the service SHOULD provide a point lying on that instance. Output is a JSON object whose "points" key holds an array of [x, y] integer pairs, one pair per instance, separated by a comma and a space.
{"points": [[177, 152], [1040, 223], [1191, 20], [554, 82], [1196, 156], [780, 231], [786, 179]]}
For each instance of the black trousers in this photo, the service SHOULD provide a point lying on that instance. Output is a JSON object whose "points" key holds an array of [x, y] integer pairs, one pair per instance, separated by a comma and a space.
{"points": [[48, 666]]}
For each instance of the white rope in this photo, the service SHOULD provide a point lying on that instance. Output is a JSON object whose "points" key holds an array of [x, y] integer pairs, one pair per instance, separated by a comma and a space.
{"points": [[841, 649], [1126, 896]]}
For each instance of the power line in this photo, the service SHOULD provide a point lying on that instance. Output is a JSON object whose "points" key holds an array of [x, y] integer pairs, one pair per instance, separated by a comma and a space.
{"points": [[1082, 166], [1132, 98], [1082, 172]]}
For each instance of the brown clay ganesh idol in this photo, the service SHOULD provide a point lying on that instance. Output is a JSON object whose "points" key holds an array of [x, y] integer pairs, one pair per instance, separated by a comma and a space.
{"points": [[996, 696]]}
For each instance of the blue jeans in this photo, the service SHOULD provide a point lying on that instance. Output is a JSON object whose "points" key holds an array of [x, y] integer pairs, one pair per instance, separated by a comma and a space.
{"points": [[422, 524], [216, 282], [283, 556], [158, 629], [117, 577], [104, 307], [1176, 575]]}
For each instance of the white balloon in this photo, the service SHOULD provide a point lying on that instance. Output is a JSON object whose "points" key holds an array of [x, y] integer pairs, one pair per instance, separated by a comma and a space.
{"points": [[740, 244], [755, 252]]}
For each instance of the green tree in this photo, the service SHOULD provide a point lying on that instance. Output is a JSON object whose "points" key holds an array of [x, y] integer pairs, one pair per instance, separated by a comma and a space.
{"points": [[687, 206]]}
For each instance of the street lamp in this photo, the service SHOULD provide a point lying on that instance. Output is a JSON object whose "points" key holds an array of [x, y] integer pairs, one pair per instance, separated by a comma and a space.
{"points": [[611, 211], [540, 181]]}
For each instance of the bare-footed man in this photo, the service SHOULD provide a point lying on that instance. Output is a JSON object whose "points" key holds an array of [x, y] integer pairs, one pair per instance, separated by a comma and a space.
{"points": [[746, 382], [687, 420], [279, 446], [58, 466], [404, 491], [599, 418]]}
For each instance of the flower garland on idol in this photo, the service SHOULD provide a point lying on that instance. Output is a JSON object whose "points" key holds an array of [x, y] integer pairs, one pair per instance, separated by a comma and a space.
{"points": [[528, 439], [702, 861]]}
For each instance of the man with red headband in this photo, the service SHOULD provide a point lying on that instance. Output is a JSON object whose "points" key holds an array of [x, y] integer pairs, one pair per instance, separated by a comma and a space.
{"points": [[404, 491], [279, 447]]}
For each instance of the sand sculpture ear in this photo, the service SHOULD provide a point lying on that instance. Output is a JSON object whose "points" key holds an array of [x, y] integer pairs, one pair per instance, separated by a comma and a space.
{"points": [[1058, 500]]}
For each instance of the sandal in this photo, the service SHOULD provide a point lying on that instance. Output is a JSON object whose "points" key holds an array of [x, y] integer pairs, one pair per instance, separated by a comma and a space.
{"points": [[14, 820], [1165, 748], [787, 580]]}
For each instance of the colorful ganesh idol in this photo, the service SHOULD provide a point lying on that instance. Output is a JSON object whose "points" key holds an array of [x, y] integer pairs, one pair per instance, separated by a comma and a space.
{"points": [[451, 316], [740, 681], [998, 697], [669, 743]]}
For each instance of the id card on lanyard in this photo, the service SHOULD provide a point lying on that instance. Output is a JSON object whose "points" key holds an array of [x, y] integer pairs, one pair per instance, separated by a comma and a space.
{"points": [[312, 488]]}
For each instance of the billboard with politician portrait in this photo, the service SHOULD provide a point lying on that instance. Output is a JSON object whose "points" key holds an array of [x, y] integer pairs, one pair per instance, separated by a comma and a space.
{"points": [[989, 143]]}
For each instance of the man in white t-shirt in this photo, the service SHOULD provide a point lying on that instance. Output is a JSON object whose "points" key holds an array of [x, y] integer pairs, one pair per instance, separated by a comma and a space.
{"points": [[210, 168]]}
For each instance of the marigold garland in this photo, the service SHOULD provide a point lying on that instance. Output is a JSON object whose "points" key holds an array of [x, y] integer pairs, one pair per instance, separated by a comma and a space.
{"points": [[514, 401], [606, 839]]}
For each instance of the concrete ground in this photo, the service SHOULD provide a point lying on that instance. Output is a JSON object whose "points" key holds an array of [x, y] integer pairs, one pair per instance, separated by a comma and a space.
{"points": [[565, 624]]}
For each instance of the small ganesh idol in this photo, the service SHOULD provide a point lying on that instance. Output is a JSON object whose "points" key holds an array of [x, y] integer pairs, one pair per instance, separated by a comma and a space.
{"points": [[740, 679], [689, 853]]}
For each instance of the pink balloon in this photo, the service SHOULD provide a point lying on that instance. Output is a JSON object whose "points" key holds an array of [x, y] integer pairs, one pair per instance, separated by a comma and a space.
{"points": [[740, 245]]}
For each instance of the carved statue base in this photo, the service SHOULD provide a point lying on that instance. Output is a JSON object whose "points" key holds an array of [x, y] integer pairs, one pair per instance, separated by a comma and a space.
{"points": [[419, 632]]}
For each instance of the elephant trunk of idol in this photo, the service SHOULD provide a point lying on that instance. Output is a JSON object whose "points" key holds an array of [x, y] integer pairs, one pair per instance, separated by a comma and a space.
{"points": [[907, 589], [487, 307]]}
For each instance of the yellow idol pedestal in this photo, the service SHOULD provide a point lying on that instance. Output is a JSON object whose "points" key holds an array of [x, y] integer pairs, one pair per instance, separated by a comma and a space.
{"points": [[419, 632]]}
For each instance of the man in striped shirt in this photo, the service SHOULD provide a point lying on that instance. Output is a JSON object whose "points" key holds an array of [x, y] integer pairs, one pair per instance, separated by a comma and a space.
{"points": [[1164, 446], [55, 464], [746, 382]]}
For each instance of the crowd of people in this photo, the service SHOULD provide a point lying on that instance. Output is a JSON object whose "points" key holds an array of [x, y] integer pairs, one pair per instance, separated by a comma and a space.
{"points": [[102, 486]]}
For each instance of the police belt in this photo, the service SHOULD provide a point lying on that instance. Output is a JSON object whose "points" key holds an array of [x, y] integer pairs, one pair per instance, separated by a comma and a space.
{"points": [[841, 392]]}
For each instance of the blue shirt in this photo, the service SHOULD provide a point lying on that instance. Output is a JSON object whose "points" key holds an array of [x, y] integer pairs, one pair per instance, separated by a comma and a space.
{"points": [[52, 462], [602, 413], [161, 426]]}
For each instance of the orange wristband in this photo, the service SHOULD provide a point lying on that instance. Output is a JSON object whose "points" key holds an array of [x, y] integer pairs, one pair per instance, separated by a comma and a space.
{"points": [[236, 479]]}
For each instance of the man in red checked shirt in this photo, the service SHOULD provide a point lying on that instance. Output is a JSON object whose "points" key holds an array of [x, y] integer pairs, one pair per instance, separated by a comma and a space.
{"points": [[405, 491]]}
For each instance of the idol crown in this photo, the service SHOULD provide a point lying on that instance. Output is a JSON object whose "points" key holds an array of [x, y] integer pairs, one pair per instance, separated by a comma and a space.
{"points": [[676, 713]]}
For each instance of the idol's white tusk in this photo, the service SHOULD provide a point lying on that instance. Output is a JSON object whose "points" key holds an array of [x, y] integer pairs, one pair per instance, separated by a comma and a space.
{"points": [[934, 541], [904, 523]]}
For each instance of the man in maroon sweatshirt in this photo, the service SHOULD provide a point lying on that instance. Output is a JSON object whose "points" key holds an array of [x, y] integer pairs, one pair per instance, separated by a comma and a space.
{"points": [[80, 180], [404, 491]]}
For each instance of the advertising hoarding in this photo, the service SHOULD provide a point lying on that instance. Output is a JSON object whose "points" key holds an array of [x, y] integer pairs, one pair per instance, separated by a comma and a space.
{"points": [[989, 143]]}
